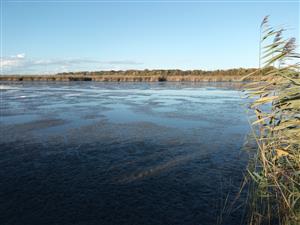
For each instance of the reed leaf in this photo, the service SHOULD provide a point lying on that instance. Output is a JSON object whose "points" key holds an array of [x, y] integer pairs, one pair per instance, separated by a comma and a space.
{"points": [[275, 168]]}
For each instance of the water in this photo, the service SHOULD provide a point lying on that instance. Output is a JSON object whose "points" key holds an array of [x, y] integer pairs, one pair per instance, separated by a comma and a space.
{"points": [[121, 153]]}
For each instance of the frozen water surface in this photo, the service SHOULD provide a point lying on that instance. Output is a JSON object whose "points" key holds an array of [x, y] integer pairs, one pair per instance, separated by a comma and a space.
{"points": [[120, 153]]}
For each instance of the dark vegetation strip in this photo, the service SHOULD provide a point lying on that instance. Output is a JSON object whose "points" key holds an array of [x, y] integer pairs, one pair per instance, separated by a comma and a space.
{"points": [[141, 76]]}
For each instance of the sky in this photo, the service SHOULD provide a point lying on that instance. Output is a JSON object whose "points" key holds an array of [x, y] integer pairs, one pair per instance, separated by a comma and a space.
{"points": [[71, 35]]}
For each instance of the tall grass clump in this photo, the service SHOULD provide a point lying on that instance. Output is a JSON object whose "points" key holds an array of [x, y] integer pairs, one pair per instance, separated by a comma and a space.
{"points": [[274, 171]]}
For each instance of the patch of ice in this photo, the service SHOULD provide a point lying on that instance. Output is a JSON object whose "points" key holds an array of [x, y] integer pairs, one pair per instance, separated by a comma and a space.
{"points": [[7, 87]]}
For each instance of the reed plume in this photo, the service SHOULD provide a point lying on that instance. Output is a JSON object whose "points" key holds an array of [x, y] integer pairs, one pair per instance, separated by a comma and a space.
{"points": [[274, 171]]}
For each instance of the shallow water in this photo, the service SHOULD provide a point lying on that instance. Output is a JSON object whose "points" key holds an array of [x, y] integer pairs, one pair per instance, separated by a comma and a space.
{"points": [[121, 153]]}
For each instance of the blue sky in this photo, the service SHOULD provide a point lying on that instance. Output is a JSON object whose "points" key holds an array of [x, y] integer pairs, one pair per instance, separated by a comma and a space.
{"points": [[57, 36]]}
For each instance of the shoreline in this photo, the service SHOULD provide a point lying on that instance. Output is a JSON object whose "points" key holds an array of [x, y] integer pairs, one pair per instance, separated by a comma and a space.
{"points": [[230, 75], [115, 78]]}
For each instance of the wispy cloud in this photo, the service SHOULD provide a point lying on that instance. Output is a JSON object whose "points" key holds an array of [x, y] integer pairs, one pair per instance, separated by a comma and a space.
{"points": [[21, 64], [122, 62], [12, 61]]}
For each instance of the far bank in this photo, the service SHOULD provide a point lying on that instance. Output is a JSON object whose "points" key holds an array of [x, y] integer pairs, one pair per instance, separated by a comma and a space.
{"points": [[142, 76]]}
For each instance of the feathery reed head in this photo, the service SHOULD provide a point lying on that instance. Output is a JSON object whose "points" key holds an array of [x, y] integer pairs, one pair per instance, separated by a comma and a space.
{"points": [[265, 21], [290, 46], [278, 36]]}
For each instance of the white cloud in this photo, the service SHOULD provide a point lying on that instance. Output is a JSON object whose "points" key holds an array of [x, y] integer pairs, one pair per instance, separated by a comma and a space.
{"points": [[12, 61], [20, 56], [122, 62], [21, 64]]}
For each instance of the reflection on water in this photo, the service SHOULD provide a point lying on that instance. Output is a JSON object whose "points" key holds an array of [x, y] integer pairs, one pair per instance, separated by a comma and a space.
{"points": [[120, 153]]}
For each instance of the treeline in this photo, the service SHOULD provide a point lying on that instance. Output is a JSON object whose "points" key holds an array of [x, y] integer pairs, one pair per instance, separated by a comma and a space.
{"points": [[146, 72], [144, 76]]}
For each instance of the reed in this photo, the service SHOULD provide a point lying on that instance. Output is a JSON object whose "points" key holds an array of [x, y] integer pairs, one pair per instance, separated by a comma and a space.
{"points": [[274, 170]]}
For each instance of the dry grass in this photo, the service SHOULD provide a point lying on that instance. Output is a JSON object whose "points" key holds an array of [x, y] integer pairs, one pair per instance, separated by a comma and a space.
{"points": [[274, 171]]}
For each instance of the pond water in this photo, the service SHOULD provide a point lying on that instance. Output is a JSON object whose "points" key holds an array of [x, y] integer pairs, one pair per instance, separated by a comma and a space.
{"points": [[87, 153]]}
